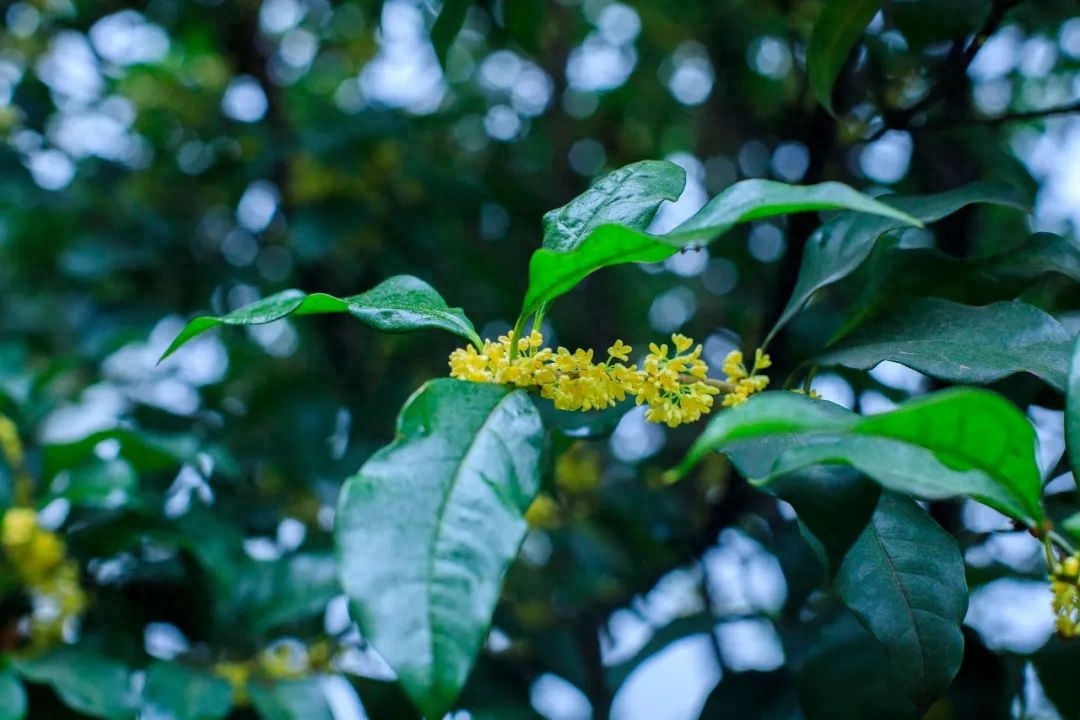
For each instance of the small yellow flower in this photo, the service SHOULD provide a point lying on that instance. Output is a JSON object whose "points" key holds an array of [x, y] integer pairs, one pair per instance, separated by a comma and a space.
{"points": [[620, 351], [1066, 592], [19, 527], [543, 513]]}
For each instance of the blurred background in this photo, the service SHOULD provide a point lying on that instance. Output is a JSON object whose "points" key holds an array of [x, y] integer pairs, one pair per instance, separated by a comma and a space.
{"points": [[177, 157]]}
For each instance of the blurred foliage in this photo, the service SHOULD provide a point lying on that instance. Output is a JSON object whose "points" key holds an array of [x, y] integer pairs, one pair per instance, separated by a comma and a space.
{"points": [[169, 158]]}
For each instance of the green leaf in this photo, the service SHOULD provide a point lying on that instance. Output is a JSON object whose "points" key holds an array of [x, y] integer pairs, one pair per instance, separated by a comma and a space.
{"points": [[752, 694], [842, 672], [427, 528], [958, 442], [524, 20], [447, 26], [904, 579], [85, 681], [176, 692], [102, 484], [1072, 411], [1056, 663], [836, 30], [552, 274], [840, 246], [12, 696], [291, 700], [629, 196], [833, 505], [291, 590], [146, 451], [402, 303], [961, 343]]}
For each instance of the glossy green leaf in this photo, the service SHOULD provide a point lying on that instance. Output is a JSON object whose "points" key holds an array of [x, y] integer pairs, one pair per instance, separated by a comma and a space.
{"points": [[833, 505], [447, 26], [959, 442], [427, 528], [629, 196], [402, 303], [85, 681], [771, 414], [961, 343], [12, 696], [904, 579], [291, 700], [552, 274], [835, 32], [177, 692], [1072, 411], [840, 246], [842, 672]]}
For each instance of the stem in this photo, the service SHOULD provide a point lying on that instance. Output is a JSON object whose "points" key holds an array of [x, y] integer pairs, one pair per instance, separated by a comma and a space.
{"points": [[722, 386]]}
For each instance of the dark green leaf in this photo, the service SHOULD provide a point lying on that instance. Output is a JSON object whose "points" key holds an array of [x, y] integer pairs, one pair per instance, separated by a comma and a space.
{"points": [[1072, 411], [291, 700], [12, 696], [447, 25], [833, 504], [1056, 663], [842, 674], [761, 695], [524, 20], [904, 579], [85, 681], [1041, 254], [952, 443], [629, 196], [176, 692], [836, 30], [840, 246], [399, 304], [961, 343], [552, 274], [427, 528], [146, 451]]}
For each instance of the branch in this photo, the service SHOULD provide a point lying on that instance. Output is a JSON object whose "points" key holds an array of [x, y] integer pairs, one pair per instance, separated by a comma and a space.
{"points": [[956, 66], [1021, 116]]}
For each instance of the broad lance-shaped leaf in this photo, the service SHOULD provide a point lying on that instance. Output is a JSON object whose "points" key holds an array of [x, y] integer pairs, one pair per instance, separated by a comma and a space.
{"points": [[1072, 411], [12, 696], [958, 442], [835, 33], [428, 527], [961, 343], [291, 700], [399, 304], [629, 196], [841, 245], [84, 680], [177, 692], [904, 579], [553, 273], [447, 26]]}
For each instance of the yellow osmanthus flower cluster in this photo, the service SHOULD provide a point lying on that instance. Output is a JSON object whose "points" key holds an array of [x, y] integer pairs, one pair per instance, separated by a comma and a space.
{"points": [[287, 659], [1065, 584], [745, 383], [38, 558], [672, 381]]}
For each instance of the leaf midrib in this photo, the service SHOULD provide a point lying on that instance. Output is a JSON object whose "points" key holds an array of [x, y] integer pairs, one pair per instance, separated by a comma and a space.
{"points": [[440, 514]]}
